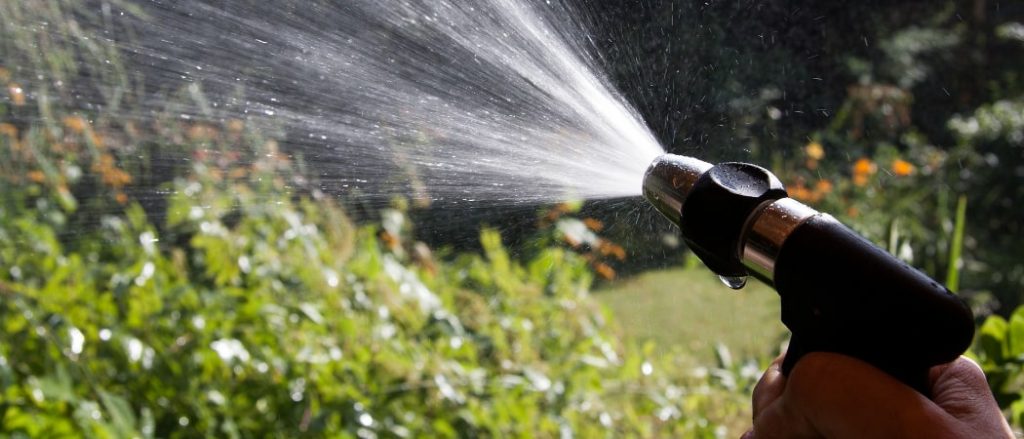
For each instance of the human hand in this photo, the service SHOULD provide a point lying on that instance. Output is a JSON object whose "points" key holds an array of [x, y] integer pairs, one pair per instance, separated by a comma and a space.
{"points": [[835, 396]]}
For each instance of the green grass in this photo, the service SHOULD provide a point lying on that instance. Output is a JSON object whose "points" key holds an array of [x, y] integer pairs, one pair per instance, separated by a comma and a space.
{"points": [[691, 310]]}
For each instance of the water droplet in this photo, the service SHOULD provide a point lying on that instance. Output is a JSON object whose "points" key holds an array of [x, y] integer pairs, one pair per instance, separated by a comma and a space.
{"points": [[734, 282]]}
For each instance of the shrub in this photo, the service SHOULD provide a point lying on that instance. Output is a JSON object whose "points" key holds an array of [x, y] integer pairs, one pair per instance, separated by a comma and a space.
{"points": [[256, 310], [999, 349]]}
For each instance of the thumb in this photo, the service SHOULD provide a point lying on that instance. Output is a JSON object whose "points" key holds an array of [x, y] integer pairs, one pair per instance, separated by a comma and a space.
{"points": [[961, 389]]}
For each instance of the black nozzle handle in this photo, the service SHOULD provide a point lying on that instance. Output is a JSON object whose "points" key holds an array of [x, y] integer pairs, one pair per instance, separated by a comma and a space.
{"points": [[841, 293]]}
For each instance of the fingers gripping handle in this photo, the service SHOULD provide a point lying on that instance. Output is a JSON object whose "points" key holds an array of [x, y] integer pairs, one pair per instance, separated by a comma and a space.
{"points": [[916, 378], [842, 294]]}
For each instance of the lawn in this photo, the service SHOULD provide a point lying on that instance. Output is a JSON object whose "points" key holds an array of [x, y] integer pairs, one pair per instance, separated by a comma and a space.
{"points": [[689, 309]]}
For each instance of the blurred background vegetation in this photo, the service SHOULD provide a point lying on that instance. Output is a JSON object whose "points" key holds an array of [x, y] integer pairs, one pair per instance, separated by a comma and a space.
{"points": [[162, 276], [882, 113]]}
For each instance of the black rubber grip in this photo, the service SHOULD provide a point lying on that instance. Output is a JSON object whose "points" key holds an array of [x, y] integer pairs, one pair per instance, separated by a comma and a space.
{"points": [[841, 293]]}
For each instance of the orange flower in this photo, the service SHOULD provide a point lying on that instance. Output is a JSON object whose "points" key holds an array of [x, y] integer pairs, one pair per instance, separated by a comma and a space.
{"points": [[823, 187], [96, 139], [611, 249], [391, 241], [864, 166], [9, 130], [5, 75], [902, 168], [800, 192], [17, 94], [110, 174], [852, 212], [814, 151], [862, 169], [604, 271], [238, 172], [201, 133], [36, 176], [235, 126], [75, 124], [593, 224], [121, 198]]}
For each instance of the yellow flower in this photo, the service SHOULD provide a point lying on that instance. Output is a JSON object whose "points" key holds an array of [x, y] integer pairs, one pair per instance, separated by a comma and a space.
{"points": [[814, 151], [902, 168]]}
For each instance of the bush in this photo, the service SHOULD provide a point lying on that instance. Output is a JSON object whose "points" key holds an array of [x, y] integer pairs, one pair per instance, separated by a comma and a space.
{"points": [[999, 350], [256, 309]]}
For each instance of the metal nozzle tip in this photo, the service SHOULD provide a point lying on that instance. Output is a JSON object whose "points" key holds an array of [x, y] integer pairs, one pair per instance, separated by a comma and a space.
{"points": [[669, 179]]}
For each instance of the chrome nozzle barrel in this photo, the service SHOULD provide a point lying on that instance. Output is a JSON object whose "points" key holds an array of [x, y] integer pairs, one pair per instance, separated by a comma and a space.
{"points": [[669, 179]]}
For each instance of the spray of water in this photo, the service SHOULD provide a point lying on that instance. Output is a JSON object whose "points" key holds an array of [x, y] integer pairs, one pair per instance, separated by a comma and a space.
{"points": [[467, 100]]}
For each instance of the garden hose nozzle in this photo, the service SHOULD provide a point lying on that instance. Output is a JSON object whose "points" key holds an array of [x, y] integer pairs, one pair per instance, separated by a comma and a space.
{"points": [[839, 292]]}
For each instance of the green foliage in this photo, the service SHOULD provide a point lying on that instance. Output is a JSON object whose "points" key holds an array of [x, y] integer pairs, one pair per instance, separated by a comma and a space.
{"points": [[956, 247], [255, 310], [999, 349], [1001, 120], [995, 134]]}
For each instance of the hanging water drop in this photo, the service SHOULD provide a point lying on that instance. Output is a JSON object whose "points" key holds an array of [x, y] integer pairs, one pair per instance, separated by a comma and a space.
{"points": [[734, 282]]}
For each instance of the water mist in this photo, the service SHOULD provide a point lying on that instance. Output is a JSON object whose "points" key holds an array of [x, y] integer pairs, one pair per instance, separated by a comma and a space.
{"points": [[495, 100]]}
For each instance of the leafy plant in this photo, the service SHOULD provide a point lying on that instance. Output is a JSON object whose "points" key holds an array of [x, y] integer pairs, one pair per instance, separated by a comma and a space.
{"points": [[999, 349], [257, 310]]}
